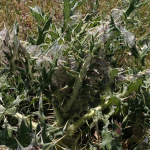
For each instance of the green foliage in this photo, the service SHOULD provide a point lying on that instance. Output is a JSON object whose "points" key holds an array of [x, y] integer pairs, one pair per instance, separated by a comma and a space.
{"points": [[41, 18], [133, 5], [38, 14], [69, 8], [74, 70], [6, 138], [23, 136]]}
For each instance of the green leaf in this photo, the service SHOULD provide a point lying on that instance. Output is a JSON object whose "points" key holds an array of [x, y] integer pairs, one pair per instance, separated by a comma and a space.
{"points": [[37, 13], [66, 11], [134, 86], [23, 137], [9, 111], [76, 5], [44, 135], [143, 54], [54, 35], [68, 34], [79, 26], [72, 3], [4, 71], [106, 139], [60, 41], [15, 28], [41, 113], [116, 101], [6, 139], [48, 146], [47, 24], [31, 40], [43, 31], [15, 102], [132, 7], [87, 18], [135, 52], [113, 73], [111, 83], [135, 4], [7, 55], [34, 100]]}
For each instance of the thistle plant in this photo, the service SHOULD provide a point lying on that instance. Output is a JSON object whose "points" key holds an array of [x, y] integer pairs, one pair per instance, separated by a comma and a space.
{"points": [[74, 68]]}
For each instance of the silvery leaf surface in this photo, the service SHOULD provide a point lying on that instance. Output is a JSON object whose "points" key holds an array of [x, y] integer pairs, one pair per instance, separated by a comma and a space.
{"points": [[33, 50], [129, 38], [55, 49], [117, 15], [101, 31], [3, 46], [2, 34], [43, 62]]}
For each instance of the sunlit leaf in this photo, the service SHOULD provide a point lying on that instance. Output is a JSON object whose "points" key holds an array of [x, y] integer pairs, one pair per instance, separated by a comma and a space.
{"points": [[134, 86]]}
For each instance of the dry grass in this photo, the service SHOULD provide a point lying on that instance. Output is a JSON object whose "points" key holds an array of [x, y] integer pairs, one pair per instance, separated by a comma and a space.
{"points": [[12, 10], [20, 11]]}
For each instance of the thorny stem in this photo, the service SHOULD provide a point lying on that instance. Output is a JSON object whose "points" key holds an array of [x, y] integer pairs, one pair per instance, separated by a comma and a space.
{"points": [[78, 84]]}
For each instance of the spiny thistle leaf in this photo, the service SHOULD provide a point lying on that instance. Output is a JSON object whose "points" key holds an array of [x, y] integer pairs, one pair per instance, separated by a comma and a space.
{"points": [[133, 5], [4, 111], [38, 14], [6, 139], [23, 137], [67, 10], [143, 54], [134, 86], [15, 102], [107, 139]]}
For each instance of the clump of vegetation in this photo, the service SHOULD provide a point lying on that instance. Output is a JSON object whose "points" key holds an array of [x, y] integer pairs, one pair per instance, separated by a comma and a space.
{"points": [[82, 83]]}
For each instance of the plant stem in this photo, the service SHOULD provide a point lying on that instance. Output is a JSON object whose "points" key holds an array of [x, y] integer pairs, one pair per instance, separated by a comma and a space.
{"points": [[78, 84], [74, 127]]}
